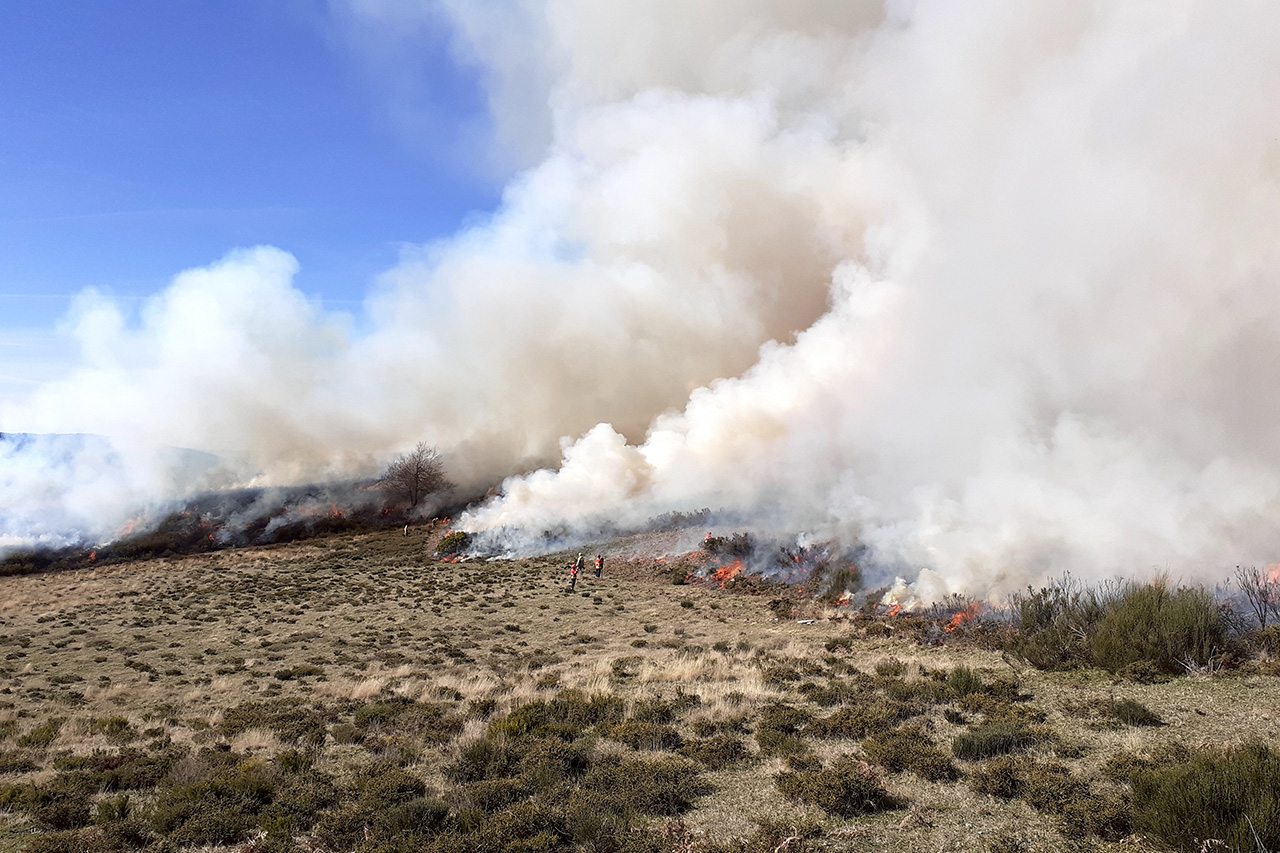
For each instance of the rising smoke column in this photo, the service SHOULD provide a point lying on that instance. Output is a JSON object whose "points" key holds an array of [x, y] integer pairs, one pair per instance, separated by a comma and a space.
{"points": [[1049, 345], [989, 288]]}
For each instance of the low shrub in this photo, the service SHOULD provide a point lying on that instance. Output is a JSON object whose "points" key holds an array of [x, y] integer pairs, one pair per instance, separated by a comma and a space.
{"points": [[18, 761], [1232, 795], [963, 681], [911, 748], [1132, 713], [862, 720], [293, 720], [997, 738], [641, 735], [717, 752], [129, 770], [1052, 789], [44, 734], [890, 668], [667, 786], [777, 730], [565, 716], [846, 788]]}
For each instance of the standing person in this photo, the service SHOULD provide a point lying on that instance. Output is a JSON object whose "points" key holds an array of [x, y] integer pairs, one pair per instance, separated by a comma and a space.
{"points": [[573, 575], [599, 564], [406, 530], [581, 564]]}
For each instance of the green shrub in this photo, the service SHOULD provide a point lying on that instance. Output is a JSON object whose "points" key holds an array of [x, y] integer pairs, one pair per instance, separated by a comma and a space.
{"points": [[910, 748], [293, 720], [1133, 713], [861, 721], [718, 752], [1137, 629], [1231, 794], [991, 739], [890, 668], [642, 735], [667, 786], [44, 734], [847, 788], [1171, 629]]}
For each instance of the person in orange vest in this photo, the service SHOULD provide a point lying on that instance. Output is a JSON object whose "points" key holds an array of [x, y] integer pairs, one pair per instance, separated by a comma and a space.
{"points": [[599, 564], [573, 575]]}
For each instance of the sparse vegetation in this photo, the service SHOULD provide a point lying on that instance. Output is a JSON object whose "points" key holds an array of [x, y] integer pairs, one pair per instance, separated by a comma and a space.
{"points": [[351, 693]]}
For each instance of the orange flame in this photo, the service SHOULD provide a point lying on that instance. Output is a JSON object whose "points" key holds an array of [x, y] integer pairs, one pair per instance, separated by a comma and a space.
{"points": [[894, 610], [336, 513], [727, 573], [845, 599], [130, 527], [965, 616], [93, 555], [1273, 573]]}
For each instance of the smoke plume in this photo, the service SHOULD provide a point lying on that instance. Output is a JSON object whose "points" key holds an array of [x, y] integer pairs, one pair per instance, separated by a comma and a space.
{"points": [[989, 288]]}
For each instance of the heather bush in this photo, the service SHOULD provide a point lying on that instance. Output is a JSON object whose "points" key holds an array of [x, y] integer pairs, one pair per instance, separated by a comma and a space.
{"points": [[1137, 629], [1232, 795], [910, 748], [717, 752], [995, 738], [1052, 789], [642, 735], [1171, 629], [846, 788]]}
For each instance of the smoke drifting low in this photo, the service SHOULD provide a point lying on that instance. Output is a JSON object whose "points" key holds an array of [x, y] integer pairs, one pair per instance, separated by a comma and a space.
{"points": [[989, 288]]}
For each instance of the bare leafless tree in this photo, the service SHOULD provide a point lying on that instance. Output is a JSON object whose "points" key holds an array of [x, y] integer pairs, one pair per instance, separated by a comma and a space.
{"points": [[1262, 589], [412, 476]]}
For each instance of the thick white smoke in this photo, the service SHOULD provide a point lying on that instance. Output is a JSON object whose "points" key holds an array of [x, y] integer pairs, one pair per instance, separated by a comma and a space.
{"points": [[990, 287]]}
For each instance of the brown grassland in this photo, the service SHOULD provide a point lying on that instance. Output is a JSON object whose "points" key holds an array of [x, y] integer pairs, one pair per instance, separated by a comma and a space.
{"points": [[352, 692]]}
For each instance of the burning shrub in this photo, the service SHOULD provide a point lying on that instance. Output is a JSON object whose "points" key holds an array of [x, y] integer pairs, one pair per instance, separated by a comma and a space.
{"points": [[454, 543], [847, 788]]}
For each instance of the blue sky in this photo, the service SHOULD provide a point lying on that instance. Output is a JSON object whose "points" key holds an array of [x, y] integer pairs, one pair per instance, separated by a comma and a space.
{"points": [[139, 138]]}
